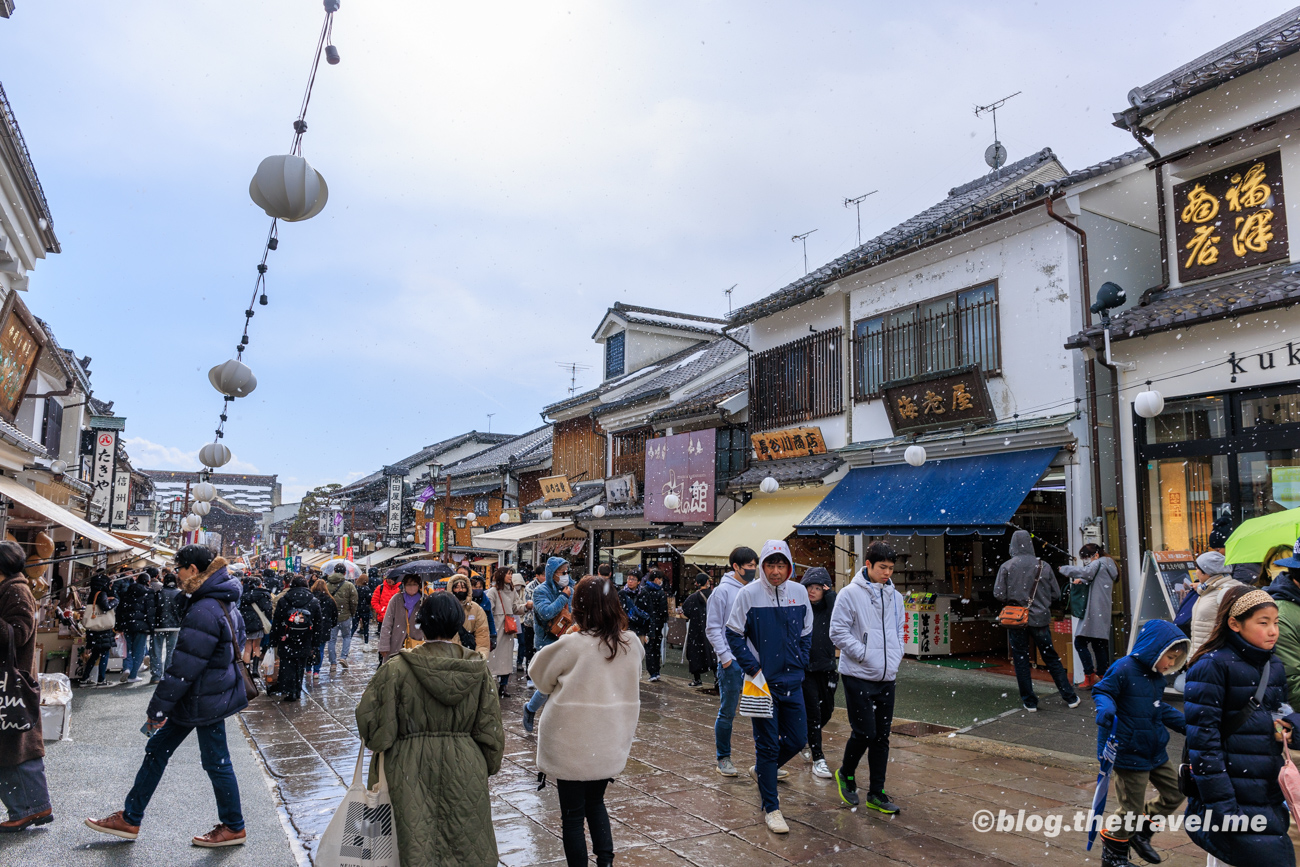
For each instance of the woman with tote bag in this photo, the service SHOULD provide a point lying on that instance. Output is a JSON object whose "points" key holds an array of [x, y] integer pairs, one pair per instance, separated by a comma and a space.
{"points": [[98, 620]]}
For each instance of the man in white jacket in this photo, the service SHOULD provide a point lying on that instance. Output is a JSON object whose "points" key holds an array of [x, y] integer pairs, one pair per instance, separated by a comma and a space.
{"points": [[744, 565], [867, 627]]}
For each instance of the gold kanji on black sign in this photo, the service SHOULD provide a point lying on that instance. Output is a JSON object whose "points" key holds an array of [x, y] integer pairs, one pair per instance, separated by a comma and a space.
{"points": [[1231, 219], [951, 399]]}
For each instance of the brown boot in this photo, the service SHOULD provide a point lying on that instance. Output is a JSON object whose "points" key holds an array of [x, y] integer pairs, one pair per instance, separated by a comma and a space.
{"points": [[220, 836], [44, 817], [115, 826]]}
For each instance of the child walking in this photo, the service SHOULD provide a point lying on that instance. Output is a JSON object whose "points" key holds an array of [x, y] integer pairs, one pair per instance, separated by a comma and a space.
{"points": [[1130, 699]]}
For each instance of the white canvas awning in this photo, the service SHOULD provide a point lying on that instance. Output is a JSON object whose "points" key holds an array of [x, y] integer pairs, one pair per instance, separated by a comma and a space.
{"points": [[29, 499], [508, 538], [383, 555]]}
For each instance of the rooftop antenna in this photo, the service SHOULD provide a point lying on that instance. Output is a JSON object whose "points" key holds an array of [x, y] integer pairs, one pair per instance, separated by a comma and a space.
{"points": [[804, 240], [573, 367], [857, 204], [995, 155], [728, 294], [489, 415]]}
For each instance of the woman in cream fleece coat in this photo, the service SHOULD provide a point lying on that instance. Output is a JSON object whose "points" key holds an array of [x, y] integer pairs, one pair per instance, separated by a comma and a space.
{"points": [[593, 679]]}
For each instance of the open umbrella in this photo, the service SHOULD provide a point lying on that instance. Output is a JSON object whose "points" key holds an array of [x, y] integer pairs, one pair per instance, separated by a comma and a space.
{"points": [[1251, 541], [354, 571], [1107, 759], [426, 569]]}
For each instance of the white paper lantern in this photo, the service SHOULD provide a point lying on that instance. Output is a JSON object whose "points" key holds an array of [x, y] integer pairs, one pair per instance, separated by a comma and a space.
{"points": [[471, 517], [915, 455], [214, 455], [505, 517], [1149, 404], [204, 492], [769, 485], [597, 511], [59, 467], [546, 514], [232, 378], [193, 522], [288, 188], [200, 508], [672, 502]]}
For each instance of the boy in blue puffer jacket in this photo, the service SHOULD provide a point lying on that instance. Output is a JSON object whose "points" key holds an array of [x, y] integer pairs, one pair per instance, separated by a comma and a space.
{"points": [[1130, 699]]}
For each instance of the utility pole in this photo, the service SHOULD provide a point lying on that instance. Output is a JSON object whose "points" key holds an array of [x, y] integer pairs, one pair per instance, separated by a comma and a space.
{"points": [[857, 204], [803, 239]]}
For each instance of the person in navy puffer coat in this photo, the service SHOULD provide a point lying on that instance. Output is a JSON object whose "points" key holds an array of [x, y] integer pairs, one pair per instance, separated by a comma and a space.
{"points": [[201, 687], [1236, 775]]}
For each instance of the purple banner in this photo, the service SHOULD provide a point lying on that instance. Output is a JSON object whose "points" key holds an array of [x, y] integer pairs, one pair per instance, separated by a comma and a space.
{"points": [[683, 465]]}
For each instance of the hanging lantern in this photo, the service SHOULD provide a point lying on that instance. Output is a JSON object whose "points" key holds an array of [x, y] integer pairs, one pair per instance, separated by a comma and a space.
{"points": [[546, 514], [44, 545], [288, 188], [204, 492], [769, 485], [471, 517], [192, 522], [598, 511], [59, 467], [915, 455], [233, 379], [214, 455], [1149, 403], [505, 517], [200, 508], [672, 502]]}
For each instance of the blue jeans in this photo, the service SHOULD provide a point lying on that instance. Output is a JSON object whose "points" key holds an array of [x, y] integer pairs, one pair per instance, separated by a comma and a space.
{"points": [[215, 756], [779, 739], [344, 631], [23, 790], [535, 703], [730, 680], [1022, 640], [137, 644], [158, 655], [320, 658]]}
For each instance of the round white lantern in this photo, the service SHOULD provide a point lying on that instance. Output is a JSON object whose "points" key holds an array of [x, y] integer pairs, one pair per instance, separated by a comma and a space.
{"points": [[59, 467], [200, 508], [232, 378], [505, 517], [471, 517], [769, 485], [203, 492], [672, 502], [915, 455], [214, 455], [1149, 404], [193, 522], [546, 514], [288, 188], [598, 511]]}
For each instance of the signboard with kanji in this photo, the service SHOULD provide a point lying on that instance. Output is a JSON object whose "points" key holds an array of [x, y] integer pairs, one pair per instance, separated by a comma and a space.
{"points": [[101, 472], [395, 485], [685, 465], [20, 343], [792, 442], [1230, 219], [953, 398], [556, 488], [121, 500], [621, 490]]}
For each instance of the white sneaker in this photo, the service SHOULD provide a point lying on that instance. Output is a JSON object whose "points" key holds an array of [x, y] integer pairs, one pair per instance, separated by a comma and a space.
{"points": [[781, 773], [807, 754], [776, 823], [820, 769]]}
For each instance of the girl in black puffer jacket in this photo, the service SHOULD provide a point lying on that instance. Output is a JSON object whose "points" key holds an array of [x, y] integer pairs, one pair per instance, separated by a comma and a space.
{"points": [[329, 611], [1236, 772]]}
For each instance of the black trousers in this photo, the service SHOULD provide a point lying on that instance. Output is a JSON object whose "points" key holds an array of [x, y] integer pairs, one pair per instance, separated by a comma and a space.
{"points": [[1099, 647], [580, 801], [819, 702], [362, 622], [871, 713], [526, 649], [654, 651], [289, 681]]}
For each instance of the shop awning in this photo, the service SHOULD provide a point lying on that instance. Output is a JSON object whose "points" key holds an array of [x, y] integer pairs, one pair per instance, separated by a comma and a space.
{"points": [[508, 538], [957, 495], [383, 555], [767, 516], [679, 545], [313, 560], [29, 499]]}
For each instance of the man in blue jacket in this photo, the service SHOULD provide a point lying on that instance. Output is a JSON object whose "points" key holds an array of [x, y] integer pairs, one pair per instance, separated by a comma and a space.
{"points": [[549, 599], [769, 630], [200, 688]]}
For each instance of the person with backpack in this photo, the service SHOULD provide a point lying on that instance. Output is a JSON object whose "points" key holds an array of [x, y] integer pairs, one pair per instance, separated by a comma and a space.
{"points": [[135, 618], [365, 590], [297, 620], [1130, 702], [166, 626], [1091, 586], [200, 689], [346, 599], [329, 615]]}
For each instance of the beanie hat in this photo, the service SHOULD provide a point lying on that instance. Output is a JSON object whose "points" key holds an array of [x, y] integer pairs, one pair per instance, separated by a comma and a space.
{"points": [[1222, 530], [817, 575]]}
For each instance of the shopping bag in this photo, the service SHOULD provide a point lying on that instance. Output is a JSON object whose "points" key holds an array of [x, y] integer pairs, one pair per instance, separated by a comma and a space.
{"points": [[119, 650], [268, 663], [756, 697], [362, 833], [1288, 779]]}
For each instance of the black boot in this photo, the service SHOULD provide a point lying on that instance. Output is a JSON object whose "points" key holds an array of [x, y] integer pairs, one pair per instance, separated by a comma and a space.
{"points": [[1114, 853], [1141, 843]]}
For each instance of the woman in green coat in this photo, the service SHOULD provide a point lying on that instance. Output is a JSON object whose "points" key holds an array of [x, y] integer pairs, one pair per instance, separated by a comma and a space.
{"points": [[433, 712]]}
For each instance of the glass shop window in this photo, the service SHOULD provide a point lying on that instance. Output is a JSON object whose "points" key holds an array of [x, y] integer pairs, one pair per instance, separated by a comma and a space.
{"points": [[1268, 482], [1198, 418], [1185, 495], [1274, 410]]}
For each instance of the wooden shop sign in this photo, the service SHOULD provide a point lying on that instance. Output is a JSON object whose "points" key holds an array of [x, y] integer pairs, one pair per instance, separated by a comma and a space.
{"points": [[953, 398], [794, 442]]}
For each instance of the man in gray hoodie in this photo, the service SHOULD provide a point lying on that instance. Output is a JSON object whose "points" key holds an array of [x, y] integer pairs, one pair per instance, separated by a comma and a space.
{"points": [[744, 566], [1020, 578]]}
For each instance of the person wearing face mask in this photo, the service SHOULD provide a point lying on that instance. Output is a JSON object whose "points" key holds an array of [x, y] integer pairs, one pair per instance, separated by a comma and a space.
{"points": [[549, 599], [1285, 591], [474, 633], [400, 629], [744, 565]]}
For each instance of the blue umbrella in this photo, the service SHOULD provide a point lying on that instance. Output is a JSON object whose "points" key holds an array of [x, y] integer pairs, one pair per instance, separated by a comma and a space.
{"points": [[1107, 759]]}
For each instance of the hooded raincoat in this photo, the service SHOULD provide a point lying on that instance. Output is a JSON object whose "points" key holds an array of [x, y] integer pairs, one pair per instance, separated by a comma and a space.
{"points": [[1287, 596], [1133, 692]]}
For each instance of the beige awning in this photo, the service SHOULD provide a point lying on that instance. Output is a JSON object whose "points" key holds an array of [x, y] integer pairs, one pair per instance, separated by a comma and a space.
{"points": [[29, 499], [681, 546], [767, 516], [508, 538], [383, 555]]}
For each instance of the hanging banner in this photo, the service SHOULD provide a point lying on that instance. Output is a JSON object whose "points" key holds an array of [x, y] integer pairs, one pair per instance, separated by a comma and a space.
{"points": [[101, 473], [121, 500], [683, 465]]}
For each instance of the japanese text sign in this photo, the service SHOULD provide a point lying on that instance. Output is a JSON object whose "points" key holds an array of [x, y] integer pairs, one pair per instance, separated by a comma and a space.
{"points": [[19, 345], [621, 490], [685, 465], [556, 488], [121, 498], [395, 485], [101, 472], [789, 443], [950, 399], [1231, 219]]}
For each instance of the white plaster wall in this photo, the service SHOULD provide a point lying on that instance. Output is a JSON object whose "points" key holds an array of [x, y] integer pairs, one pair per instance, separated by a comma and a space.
{"points": [[641, 348], [1253, 97]]}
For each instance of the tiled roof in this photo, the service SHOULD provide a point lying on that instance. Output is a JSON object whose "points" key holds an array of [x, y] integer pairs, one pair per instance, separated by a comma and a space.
{"points": [[15, 150], [15, 436], [1270, 41], [984, 197], [810, 470], [1235, 295], [642, 377], [215, 478], [680, 370], [582, 492], [633, 313], [1095, 170], [521, 451], [705, 401], [427, 454]]}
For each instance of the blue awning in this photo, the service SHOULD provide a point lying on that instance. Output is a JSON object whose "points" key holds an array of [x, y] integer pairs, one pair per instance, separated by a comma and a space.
{"points": [[952, 495]]}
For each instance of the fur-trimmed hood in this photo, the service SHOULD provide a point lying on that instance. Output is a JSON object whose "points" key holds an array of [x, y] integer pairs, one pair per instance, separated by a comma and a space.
{"points": [[190, 587]]}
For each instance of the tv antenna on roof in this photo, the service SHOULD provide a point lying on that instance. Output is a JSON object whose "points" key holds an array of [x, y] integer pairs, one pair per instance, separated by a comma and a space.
{"points": [[728, 294], [489, 415], [995, 155], [573, 367], [857, 204], [804, 239]]}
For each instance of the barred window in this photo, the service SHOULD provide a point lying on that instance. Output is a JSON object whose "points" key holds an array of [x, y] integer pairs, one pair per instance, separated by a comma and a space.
{"points": [[797, 381], [614, 354]]}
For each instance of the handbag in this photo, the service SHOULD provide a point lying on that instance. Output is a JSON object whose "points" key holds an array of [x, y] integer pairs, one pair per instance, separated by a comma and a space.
{"points": [[1288, 779], [1018, 615], [20, 692], [1079, 594], [266, 624], [268, 665], [510, 626], [250, 686], [560, 625], [94, 620], [362, 832], [756, 698], [1186, 780]]}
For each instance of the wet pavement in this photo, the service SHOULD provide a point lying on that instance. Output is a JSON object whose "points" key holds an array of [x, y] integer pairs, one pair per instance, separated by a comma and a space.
{"points": [[671, 807]]}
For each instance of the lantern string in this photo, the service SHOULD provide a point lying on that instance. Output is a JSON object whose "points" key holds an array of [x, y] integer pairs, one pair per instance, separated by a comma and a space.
{"points": [[300, 125]]}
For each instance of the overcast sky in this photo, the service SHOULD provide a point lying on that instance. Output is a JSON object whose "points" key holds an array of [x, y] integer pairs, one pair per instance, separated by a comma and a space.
{"points": [[499, 174]]}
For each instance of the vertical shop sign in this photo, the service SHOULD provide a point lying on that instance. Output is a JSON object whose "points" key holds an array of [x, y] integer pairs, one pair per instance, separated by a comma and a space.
{"points": [[395, 485], [684, 465], [101, 473], [121, 500]]}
